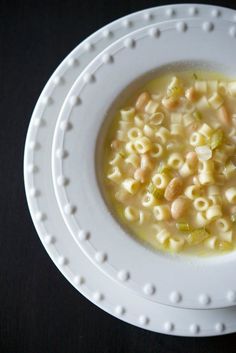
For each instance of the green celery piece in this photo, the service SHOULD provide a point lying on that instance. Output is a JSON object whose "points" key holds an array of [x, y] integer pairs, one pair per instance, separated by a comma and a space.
{"points": [[197, 236], [157, 193], [216, 139], [183, 227]]}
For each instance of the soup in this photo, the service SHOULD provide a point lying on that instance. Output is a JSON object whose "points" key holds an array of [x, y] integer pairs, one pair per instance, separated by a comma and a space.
{"points": [[170, 163]]}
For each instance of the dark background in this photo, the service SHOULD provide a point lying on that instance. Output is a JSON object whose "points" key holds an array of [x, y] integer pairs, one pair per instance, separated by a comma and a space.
{"points": [[40, 311]]}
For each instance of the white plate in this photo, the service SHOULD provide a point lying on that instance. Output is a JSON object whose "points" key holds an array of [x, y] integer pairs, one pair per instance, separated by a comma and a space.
{"points": [[171, 280], [110, 296]]}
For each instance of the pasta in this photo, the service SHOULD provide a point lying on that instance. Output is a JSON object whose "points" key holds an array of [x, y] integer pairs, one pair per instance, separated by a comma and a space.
{"points": [[160, 180], [201, 204], [142, 144], [170, 165], [134, 133], [148, 200], [196, 139], [115, 175], [163, 134], [131, 213], [132, 159], [161, 212], [201, 220], [163, 236], [175, 160], [230, 195], [148, 131], [157, 150], [192, 192], [127, 114], [131, 185]]}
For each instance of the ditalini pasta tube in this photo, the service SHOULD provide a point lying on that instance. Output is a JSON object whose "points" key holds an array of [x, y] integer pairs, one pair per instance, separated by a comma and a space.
{"points": [[169, 163]]}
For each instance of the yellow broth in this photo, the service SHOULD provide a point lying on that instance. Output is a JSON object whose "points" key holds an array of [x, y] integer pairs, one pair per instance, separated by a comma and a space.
{"points": [[169, 163]]}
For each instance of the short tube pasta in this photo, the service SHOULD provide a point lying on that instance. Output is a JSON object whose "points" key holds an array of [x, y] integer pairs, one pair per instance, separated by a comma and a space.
{"points": [[151, 107], [201, 219], [134, 133], [138, 121], [148, 131], [148, 200], [196, 139], [201, 204], [160, 180], [133, 159], [130, 185], [176, 130], [176, 244], [161, 212], [175, 160], [162, 134], [131, 213], [213, 212], [169, 163], [192, 192], [130, 147], [116, 160], [206, 131], [162, 236], [223, 224], [156, 119], [142, 144], [230, 195], [127, 114], [115, 175], [206, 178], [157, 150], [186, 170]]}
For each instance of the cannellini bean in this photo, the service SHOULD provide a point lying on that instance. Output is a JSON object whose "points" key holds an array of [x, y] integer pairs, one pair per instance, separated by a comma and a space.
{"points": [[191, 94], [173, 189], [169, 102], [178, 207], [191, 159], [142, 101], [224, 116], [141, 175]]}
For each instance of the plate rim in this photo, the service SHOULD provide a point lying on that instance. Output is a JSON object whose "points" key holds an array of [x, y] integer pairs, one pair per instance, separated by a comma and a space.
{"points": [[30, 146]]}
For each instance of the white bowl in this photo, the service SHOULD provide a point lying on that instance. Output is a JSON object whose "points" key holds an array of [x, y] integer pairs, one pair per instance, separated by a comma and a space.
{"points": [[172, 280], [86, 278]]}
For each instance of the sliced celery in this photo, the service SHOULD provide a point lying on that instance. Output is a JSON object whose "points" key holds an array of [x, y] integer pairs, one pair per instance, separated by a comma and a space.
{"points": [[122, 154], [163, 169], [224, 245], [175, 91], [157, 193], [183, 227], [197, 236], [216, 139], [197, 115]]}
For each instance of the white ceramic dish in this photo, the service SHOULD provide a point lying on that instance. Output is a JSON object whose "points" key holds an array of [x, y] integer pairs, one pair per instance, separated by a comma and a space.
{"points": [[58, 242], [159, 276]]}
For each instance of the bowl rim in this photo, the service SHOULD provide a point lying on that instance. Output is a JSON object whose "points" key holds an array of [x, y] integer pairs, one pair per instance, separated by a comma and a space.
{"points": [[101, 71]]}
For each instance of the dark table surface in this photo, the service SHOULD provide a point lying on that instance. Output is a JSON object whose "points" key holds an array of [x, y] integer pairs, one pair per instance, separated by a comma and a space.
{"points": [[40, 311]]}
